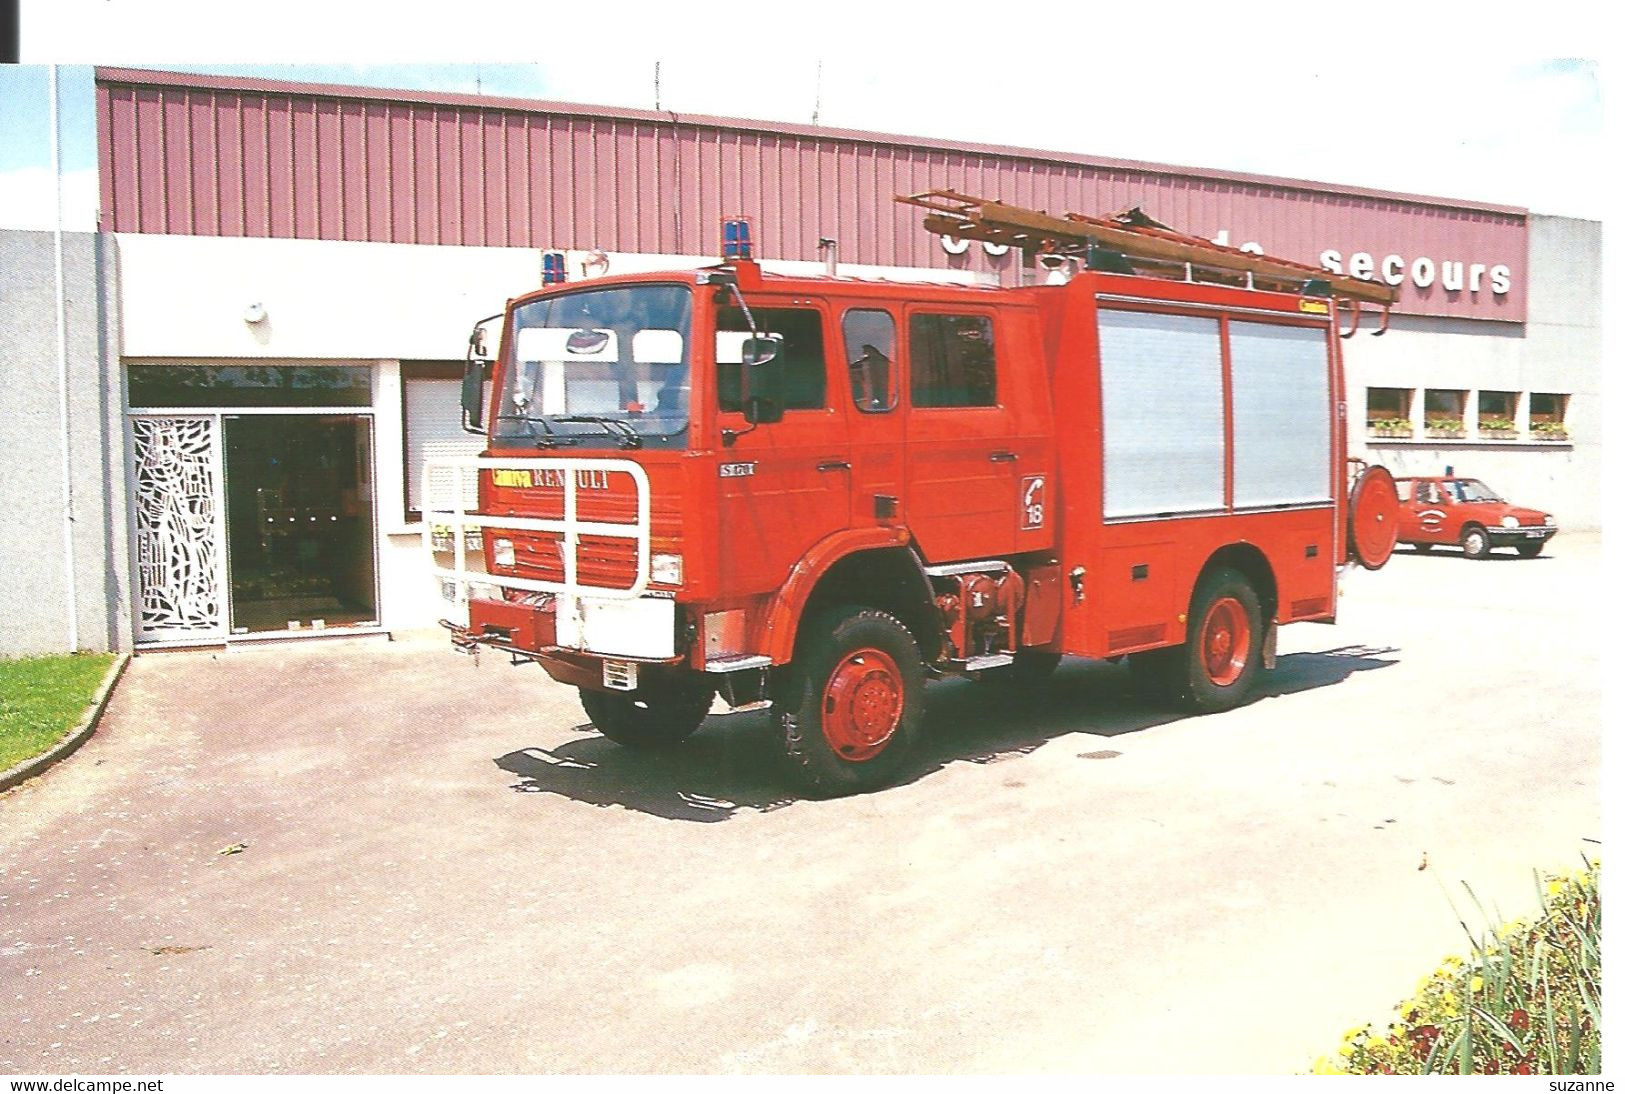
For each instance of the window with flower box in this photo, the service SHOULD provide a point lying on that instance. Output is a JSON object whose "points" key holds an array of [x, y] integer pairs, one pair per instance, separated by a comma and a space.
{"points": [[1498, 414], [1388, 411], [1444, 412], [1548, 416]]}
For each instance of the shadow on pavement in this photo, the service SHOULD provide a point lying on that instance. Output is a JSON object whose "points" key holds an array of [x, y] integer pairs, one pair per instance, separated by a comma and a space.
{"points": [[1500, 554], [732, 762]]}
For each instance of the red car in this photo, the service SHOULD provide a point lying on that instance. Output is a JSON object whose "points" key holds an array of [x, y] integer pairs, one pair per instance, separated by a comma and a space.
{"points": [[1448, 509]]}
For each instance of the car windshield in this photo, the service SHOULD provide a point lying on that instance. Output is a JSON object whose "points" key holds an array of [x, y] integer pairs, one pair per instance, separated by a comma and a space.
{"points": [[1470, 490], [599, 366]]}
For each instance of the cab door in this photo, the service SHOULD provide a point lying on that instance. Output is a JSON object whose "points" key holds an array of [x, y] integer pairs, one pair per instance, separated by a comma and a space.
{"points": [[1427, 514], [782, 486], [870, 337], [977, 470]]}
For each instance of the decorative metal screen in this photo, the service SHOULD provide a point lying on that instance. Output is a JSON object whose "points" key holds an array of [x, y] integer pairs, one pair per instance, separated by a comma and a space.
{"points": [[178, 553]]}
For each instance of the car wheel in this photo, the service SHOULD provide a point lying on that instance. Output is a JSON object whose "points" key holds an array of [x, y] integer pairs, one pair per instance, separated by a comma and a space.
{"points": [[1530, 550], [1224, 645], [1475, 542], [854, 702], [1422, 548], [659, 714]]}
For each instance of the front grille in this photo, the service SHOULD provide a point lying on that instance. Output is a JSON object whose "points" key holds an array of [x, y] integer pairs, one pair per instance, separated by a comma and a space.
{"points": [[609, 562]]}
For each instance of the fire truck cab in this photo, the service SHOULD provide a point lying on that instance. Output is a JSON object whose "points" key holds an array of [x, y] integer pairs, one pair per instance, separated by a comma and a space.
{"points": [[815, 493]]}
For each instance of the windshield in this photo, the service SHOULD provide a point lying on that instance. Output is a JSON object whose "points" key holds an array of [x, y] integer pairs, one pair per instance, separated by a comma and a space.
{"points": [[1470, 490], [600, 366]]}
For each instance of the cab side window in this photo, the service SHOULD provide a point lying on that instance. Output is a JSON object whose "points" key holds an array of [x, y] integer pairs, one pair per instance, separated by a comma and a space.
{"points": [[1427, 493], [952, 361], [871, 353], [795, 378]]}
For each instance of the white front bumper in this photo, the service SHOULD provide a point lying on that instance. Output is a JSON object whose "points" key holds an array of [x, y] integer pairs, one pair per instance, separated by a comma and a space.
{"points": [[643, 627]]}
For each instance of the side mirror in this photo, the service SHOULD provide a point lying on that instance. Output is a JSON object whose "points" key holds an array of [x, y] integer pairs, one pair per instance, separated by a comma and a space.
{"points": [[475, 373], [474, 395], [763, 410], [761, 350]]}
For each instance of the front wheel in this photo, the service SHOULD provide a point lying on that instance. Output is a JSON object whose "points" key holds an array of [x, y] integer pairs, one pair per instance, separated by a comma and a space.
{"points": [[1224, 645], [854, 702], [1529, 550], [1475, 542], [659, 714]]}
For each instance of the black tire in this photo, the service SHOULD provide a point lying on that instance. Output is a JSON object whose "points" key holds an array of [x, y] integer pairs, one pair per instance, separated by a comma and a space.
{"points": [[1217, 664], [1475, 542], [851, 706], [1422, 548], [1530, 550], [661, 713]]}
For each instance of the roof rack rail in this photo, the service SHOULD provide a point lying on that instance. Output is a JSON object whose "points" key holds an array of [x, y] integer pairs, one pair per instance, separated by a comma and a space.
{"points": [[1133, 238]]}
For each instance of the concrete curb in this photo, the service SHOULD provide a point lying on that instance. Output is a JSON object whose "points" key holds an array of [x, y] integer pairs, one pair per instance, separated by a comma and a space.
{"points": [[80, 734]]}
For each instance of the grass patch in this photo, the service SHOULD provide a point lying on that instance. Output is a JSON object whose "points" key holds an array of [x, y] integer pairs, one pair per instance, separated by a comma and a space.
{"points": [[1526, 1001], [42, 698]]}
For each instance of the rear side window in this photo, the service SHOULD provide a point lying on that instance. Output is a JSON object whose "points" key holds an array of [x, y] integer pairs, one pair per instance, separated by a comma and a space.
{"points": [[871, 349], [952, 361], [798, 373]]}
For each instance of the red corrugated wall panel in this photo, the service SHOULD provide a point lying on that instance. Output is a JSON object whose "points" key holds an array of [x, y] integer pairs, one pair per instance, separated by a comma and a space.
{"points": [[210, 156]]}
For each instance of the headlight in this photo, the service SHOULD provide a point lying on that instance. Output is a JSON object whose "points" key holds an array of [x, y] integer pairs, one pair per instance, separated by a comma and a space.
{"points": [[1509, 522], [502, 552], [1547, 519], [666, 569]]}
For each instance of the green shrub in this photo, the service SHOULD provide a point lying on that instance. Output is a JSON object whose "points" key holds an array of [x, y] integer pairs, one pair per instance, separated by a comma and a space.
{"points": [[1528, 1001]]}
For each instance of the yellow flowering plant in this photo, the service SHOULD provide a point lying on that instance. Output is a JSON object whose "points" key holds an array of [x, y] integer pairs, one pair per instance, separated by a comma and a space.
{"points": [[1528, 1001]]}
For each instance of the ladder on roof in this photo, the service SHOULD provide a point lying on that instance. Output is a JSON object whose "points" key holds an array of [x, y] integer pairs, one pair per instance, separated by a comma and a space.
{"points": [[1132, 242]]}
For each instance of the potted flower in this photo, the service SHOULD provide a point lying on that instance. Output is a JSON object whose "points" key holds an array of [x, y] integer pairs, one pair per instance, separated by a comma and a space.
{"points": [[1498, 428], [1550, 431], [1391, 427], [1446, 428]]}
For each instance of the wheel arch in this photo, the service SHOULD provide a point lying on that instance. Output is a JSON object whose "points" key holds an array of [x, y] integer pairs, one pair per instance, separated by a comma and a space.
{"points": [[887, 575], [891, 579], [1251, 562]]}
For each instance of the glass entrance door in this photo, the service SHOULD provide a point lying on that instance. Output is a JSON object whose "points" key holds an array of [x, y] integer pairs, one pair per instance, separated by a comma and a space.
{"points": [[299, 500]]}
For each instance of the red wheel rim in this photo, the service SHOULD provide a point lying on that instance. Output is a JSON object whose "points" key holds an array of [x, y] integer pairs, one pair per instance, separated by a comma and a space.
{"points": [[1227, 639], [863, 704]]}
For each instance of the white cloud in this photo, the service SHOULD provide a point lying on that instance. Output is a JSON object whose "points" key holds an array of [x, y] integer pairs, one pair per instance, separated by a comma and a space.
{"points": [[28, 199]]}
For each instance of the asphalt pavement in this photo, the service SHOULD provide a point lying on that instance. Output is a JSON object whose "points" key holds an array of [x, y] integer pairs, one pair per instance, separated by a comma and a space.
{"points": [[379, 857]]}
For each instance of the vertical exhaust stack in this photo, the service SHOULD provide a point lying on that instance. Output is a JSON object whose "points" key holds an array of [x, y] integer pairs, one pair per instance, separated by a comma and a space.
{"points": [[831, 250]]}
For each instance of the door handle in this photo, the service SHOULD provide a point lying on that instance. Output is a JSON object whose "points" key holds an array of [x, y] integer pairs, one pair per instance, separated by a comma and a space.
{"points": [[1002, 457], [834, 465]]}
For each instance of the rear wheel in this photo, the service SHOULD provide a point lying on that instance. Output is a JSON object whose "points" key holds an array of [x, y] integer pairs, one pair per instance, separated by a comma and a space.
{"points": [[1224, 644], [854, 702], [1530, 550], [1475, 542], [659, 714]]}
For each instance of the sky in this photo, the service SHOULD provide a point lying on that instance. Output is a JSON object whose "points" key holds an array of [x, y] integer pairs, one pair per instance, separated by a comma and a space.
{"points": [[1512, 119]]}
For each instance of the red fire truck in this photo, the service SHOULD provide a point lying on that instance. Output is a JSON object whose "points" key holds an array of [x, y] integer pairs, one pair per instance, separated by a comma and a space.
{"points": [[814, 494]]}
